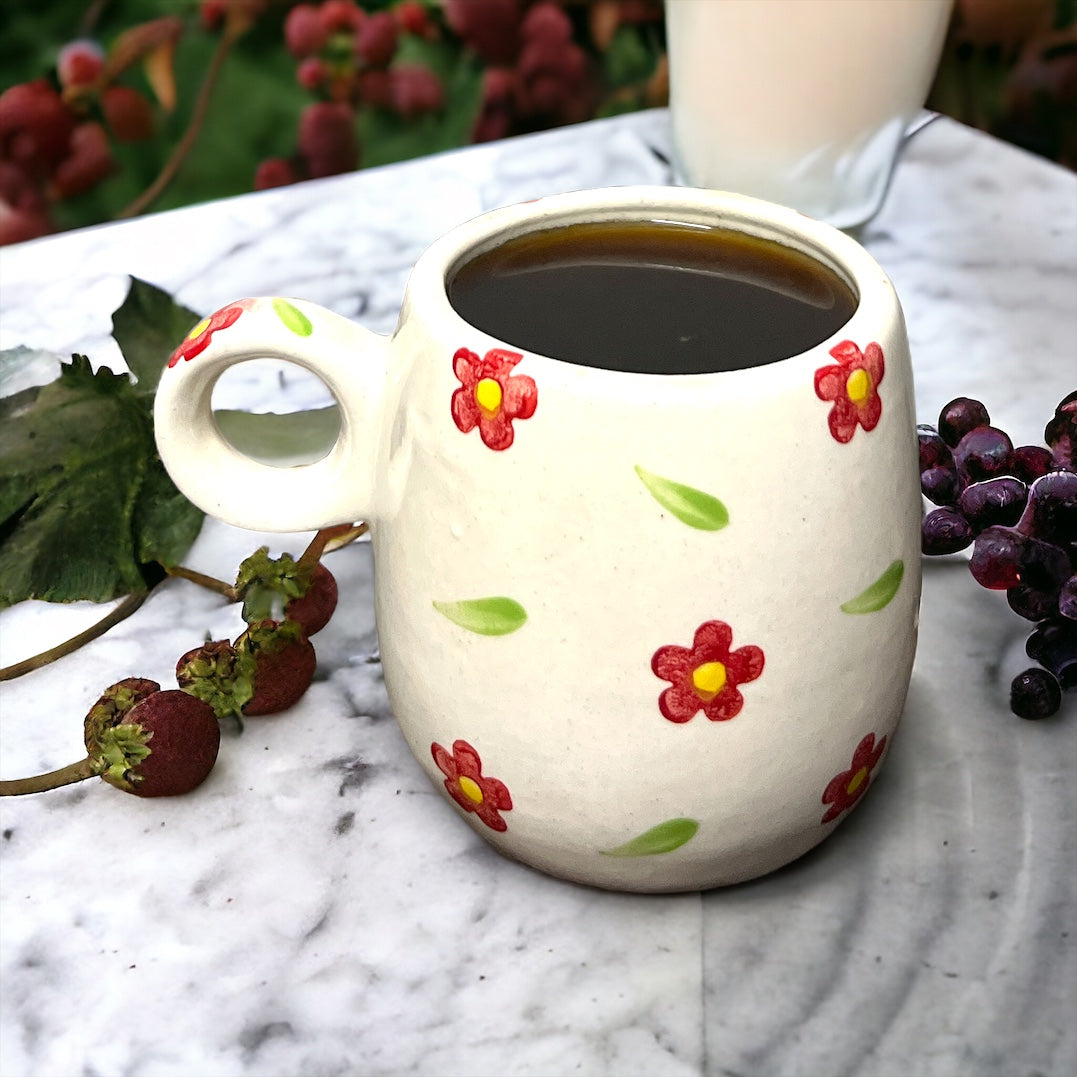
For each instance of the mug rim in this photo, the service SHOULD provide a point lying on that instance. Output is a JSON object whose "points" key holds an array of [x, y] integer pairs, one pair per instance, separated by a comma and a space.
{"points": [[877, 304]]}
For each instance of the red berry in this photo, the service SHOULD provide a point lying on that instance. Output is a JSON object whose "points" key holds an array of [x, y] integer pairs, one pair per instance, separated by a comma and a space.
{"points": [[375, 40], [340, 16], [35, 126], [274, 172], [151, 743], [489, 27], [547, 22], [416, 90], [327, 138], [284, 665], [312, 610], [375, 87], [129, 115], [79, 63], [89, 162], [304, 31], [413, 19]]}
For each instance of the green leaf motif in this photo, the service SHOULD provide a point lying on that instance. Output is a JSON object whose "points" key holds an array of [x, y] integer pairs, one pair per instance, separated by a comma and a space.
{"points": [[691, 506], [293, 318], [879, 593], [494, 616], [664, 838]]}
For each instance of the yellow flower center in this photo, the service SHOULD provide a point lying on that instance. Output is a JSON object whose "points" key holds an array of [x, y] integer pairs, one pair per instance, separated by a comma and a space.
{"points": [[199, 329], [858, 386], [857, 781], [708, 679], [470, 788], [488, 395]]}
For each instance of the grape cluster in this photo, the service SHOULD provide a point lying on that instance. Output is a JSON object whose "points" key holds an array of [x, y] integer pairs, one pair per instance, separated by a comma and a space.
{"points": [[1017, 508]]}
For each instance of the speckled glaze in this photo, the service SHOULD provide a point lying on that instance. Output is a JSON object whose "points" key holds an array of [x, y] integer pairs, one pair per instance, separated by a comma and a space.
{"points": [[633, 648]]}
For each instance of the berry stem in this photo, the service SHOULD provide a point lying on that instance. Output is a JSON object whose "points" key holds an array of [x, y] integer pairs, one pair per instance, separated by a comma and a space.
{"points": [[73, 772], [209, 582], [118, 614], [327, 539]]}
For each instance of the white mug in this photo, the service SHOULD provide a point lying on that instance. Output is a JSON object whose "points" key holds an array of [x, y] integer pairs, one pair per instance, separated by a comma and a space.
{"points": [[802, 102], [650, 632]]}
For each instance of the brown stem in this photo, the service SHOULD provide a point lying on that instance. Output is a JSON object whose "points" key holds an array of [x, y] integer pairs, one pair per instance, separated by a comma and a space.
{"points": [[118, 614], [194, 126], [39, 783], [209, 582], [330, 538]]}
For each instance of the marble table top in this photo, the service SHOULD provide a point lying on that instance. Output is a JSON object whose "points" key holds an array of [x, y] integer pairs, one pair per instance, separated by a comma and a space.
{"points": [[317, 907]]}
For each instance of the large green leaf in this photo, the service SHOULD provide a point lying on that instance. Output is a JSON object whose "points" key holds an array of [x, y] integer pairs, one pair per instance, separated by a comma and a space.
{"points": [[85, 504], [147, 326]]}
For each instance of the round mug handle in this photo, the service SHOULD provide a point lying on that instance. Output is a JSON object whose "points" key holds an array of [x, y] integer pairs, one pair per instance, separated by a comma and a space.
{"points": [[208, 469]]}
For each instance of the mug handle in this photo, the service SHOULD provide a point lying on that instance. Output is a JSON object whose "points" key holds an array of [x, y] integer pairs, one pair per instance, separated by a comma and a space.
{"points": [[352, 361]]}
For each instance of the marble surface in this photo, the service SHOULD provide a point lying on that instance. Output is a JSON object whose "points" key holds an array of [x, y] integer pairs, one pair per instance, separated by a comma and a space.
{"points": [[317, 907]]}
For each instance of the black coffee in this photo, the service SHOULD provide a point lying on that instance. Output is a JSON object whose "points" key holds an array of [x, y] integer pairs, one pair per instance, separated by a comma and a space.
{"points": [[652, 297]]}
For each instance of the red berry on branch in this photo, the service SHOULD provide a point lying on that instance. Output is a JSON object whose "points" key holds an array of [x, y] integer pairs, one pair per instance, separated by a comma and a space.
{"points": [[546, 22], [79, 63], [313, 609], [416, 90], [89, 162], [376, 39], [128, 114], [327, 139], [413, 19], [374, 87], [489, 27], [341, 16], [284, 664], [35, 126], [275, 172], [304, 31], [311, 73]]}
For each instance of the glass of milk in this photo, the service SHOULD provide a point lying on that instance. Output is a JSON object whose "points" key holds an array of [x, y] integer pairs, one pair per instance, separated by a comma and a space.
{"points": [[801, 102]]}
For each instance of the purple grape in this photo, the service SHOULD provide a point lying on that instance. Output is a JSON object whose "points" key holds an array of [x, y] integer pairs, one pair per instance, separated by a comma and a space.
{"points": [[983, 453], [1003, 557], [1051, 512], [959, 417], [944, 531], [993, 501], [1035, 694], [933, 450], [1054, 645], [1061, 433], [940, 485], [1031, 604], [1029, 462], [1067, 599]]}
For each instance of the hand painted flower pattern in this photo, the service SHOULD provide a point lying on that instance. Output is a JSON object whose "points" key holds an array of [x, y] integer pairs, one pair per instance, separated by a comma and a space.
{"points": [[197, 340], [705, 676], [846, 788], [852, 384], [490, 396], [469, 787]]}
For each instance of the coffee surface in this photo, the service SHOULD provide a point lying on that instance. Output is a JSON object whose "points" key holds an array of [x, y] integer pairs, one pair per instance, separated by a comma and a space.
{"points": [[652, 297]]}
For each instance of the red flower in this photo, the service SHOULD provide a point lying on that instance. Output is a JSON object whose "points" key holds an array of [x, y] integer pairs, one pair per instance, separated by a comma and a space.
{"points": [[465, 783], [853, 385], [846, 788], [197, 340], [705, 676], [489, 398]]}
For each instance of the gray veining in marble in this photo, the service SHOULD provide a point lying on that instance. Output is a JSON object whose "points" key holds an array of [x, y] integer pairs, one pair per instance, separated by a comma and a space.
{"points": [[318, 908]]}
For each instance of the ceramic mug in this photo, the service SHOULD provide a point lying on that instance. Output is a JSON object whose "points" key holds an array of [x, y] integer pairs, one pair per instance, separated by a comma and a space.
{"points": [[647, 632], [803, 102]]}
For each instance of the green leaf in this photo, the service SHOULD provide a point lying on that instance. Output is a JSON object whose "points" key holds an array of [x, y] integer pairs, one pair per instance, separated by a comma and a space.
{"points": [[664, 838], [293, 318], [284, 440], [85, 503], [147, 326], [879, 593], [495, 616], [691, 506]]}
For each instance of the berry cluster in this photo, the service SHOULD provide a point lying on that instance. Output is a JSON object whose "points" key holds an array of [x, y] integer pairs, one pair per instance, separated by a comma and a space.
{"points": [[57, 133], [153, 742], [1017, 508], [344, 56]]}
